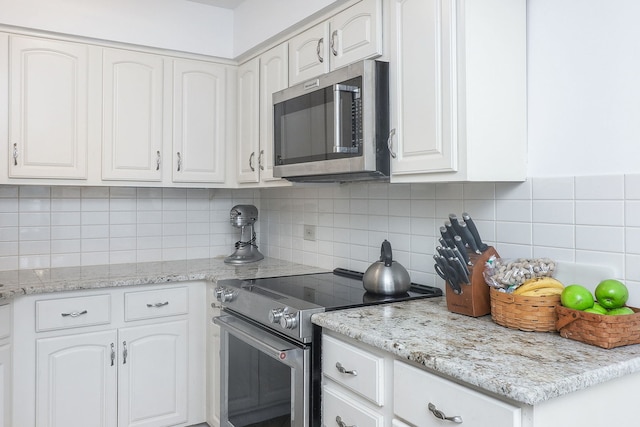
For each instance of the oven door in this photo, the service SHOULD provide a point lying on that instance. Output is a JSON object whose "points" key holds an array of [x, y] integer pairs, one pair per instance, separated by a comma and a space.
{"points": [[264, 379]]}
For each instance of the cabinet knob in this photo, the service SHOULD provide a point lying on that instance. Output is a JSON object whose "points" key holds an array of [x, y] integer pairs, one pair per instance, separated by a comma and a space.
{"points": [[342, 423], [342, 370], [319, 49], [441, 416], [390, 142], [158, 161], [15, 154], [179, 157], [253, 154], [260, 165], [74, 313], [113, 354], [334, 36]]}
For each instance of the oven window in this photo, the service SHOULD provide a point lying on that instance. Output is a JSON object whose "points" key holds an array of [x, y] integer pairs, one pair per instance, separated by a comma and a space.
{"points": [[259, 388]]}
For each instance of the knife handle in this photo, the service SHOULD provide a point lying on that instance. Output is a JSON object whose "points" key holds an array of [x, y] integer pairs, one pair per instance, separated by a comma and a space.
{"points": [[462, 249], [467, 237], [474, 231]]}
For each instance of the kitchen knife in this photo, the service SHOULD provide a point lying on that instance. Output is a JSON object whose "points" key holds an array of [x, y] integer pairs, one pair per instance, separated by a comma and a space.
{"points": [[463, 266], [462, 249], [467, 237], [463, 276], [447, 273], [448, 238], [453, 220], [450, 230], [471, 226]]}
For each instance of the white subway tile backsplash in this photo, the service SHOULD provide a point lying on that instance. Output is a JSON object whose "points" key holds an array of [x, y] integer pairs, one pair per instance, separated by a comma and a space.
{"points": [[514, 232], [599, 238], [600, 212], [513, 210], [553, 235], [607, 187], [557, 188], [553, 211], [632, 187]]}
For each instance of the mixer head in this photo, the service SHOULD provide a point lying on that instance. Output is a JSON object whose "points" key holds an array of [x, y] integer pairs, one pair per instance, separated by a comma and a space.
{"points": [[242, 215]]}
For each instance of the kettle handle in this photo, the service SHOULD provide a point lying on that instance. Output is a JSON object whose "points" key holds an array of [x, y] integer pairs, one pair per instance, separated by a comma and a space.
{"points": [[385, 253]]}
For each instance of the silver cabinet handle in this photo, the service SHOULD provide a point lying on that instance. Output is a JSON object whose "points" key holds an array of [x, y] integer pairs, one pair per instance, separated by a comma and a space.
{"points": [[342, 423], [15, 154], [74, 313], [125, 352], [441, 416], [260, 156], [179, 161], [318, 50], [113, 354], [253, 154], [342, 370], [158, 161], [158, 304], [390, 142], [334, 35]]}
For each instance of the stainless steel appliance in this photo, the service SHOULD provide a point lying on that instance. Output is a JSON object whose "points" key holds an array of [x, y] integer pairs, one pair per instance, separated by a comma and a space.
{"points": [[334, 127], [243, 217], [270, 350]]}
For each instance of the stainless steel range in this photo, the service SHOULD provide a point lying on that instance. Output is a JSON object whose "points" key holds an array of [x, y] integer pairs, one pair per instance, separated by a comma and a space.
{"points": [[269, 349]]}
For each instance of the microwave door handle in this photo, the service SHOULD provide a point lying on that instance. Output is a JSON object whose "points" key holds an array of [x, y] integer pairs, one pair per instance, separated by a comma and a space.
{"points": [[337, 116]]}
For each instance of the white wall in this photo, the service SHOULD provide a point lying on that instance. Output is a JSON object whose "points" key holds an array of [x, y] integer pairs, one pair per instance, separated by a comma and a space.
{"points": [[584, 87], [171, 24]]}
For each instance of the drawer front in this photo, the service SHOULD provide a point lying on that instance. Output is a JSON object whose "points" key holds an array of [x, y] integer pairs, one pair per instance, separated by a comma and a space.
{"points": [[155, 303], [5, 321], [63, 313], [368, 376], [339, 407], [414, 389]]}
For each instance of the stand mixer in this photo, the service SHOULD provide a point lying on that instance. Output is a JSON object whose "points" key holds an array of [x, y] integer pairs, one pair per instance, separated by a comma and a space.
{"points": [[243, 217]]}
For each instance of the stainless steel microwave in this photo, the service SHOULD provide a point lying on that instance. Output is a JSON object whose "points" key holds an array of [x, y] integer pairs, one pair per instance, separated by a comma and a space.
{"points": [[334, 127]]}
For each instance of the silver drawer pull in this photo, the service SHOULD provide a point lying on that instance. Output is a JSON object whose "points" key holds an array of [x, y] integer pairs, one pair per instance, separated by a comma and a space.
{"points": [[74, 313], [342, 370], [441, 416], [158, 304], [342, 423]]}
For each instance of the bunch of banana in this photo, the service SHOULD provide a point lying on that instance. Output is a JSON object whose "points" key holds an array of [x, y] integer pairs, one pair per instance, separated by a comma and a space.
{"points": [[540, 286]]}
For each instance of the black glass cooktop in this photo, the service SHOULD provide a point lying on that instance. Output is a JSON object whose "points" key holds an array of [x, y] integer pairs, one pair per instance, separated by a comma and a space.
{"points": [[335, 290]]}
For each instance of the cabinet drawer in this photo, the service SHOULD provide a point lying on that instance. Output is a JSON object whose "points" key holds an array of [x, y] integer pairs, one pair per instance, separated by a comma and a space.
{"points": [[155, 303], [338, 406], [414, 389], [63, 313], [368, 380], [5, 321]]}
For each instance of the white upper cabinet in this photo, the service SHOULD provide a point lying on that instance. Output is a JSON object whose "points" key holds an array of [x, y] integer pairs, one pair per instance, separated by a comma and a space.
{"points": [[248, 121], [458, 90], [199, 121], [258, 79], [48, 108], [349, 36], [132, 116]]}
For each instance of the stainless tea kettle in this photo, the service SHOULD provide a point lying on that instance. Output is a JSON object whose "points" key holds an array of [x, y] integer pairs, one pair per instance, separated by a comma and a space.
{"points": [[386, 277]]}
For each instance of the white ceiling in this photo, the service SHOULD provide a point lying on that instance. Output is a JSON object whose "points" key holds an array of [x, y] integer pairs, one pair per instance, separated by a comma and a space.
{"points": [[227, 4]]}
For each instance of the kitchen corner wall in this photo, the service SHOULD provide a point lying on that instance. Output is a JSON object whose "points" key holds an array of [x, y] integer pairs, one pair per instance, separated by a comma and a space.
{"points": [[586, 219], [42, 227]]}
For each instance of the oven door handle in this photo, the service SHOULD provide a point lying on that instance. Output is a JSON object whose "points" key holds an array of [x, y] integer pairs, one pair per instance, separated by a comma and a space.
{"points": [[265, 342]]}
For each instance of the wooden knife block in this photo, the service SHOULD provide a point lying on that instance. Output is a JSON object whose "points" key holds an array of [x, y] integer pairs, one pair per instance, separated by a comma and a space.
{"points": [[474, 300]]}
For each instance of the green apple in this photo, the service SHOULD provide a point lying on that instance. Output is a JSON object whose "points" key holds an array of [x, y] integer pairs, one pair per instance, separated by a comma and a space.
{"points": [[594, 311], [611, 293], [620, 311], [598, 308], [576, 297]]}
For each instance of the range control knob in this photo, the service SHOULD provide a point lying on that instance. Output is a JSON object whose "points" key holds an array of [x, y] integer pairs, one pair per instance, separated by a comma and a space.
{"points": [[227, 295], [275, 314], [217, 292], [288, 321]]}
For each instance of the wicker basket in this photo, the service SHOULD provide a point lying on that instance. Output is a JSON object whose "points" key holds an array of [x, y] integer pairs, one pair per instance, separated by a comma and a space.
{"points": [[597, 329], [537, 314]]}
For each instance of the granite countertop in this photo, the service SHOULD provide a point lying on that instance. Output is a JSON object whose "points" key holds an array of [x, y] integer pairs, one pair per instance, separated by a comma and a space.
{"points": [[25, 282], [528, 367]]}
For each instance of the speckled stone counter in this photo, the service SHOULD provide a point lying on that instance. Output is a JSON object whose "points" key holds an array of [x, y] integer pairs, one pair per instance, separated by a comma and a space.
{"points": [[528, 367], [25, 282]]}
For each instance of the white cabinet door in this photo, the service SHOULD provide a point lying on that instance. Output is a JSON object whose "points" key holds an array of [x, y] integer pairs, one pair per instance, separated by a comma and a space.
{"points": [[5, 385], [248, 121], [356, 33], [274, 76], [48, 108], [199, 121], [153, 375], [423, 79], [76, 380], [309, 54], [132, 116]]}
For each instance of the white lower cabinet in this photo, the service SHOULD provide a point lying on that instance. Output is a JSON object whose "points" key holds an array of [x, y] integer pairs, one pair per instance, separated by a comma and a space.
{"points": [[5, 365], [143, 367], [420, 396], [76, 380]]}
